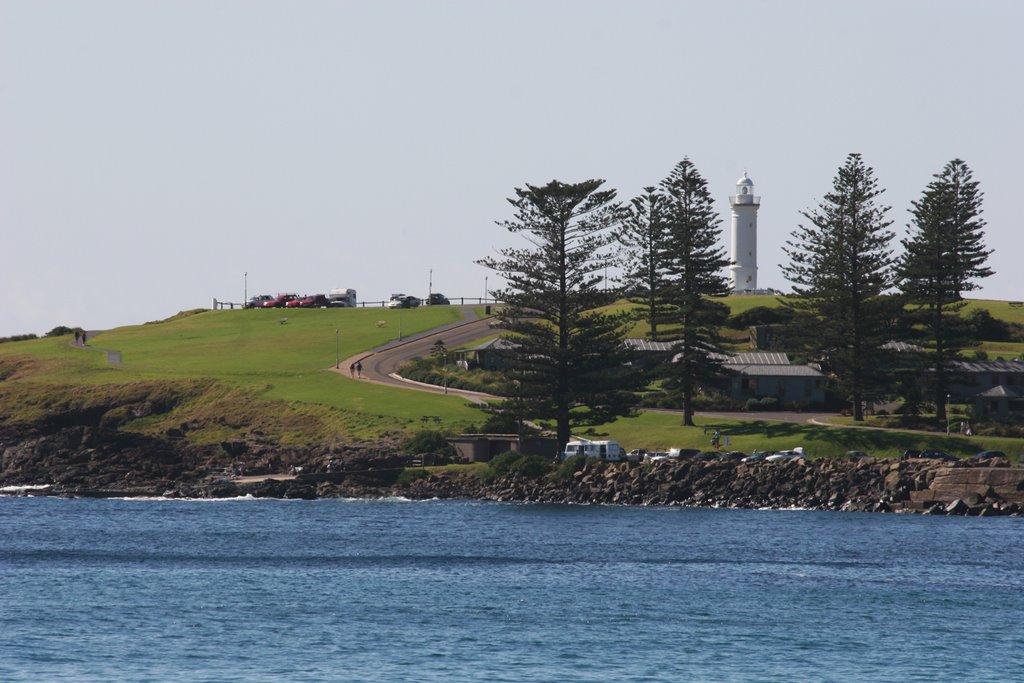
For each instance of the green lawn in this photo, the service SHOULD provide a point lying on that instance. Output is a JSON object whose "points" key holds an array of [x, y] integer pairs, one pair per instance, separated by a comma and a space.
{"points": [[286, 366], [661, 431]]}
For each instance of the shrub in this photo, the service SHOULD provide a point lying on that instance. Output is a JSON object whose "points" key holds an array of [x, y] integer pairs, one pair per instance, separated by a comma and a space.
{"points": [[769, 403], [409, 475], [569, 467], [500, 465], [428, 441], [18, 337], [530, 466]]}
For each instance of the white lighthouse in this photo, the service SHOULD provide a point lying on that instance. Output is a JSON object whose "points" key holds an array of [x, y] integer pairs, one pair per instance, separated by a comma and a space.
{"points": [[743, 271]]}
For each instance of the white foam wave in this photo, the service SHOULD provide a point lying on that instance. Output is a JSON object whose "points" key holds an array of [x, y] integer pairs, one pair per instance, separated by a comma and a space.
{"points": [[22, 489]]}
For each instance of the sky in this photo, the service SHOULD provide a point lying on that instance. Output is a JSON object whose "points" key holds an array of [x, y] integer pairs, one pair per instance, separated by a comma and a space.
{"points": [[155, 156]]}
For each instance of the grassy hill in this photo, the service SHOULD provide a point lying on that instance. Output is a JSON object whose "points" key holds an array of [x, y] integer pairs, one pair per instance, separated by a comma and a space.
{"points": [[234, 372], [228, 374]]}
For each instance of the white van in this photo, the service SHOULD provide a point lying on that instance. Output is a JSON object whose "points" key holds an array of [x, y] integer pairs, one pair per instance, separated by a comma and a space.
{"points": [[342, 298], [605, 450]]}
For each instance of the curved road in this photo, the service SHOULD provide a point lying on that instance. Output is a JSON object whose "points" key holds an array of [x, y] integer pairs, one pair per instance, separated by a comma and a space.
{"points": [[381, 364], [381, 367]]}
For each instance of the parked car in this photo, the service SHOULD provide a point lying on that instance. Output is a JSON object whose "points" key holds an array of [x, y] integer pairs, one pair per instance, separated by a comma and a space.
{"points": [[258, 300], [757, 456], [683, 453], [636, 455], [938, 455], [794, 454], [437, 299], [403, 301], [732, 456], [279, 301], [314, 301], [988, 455]]}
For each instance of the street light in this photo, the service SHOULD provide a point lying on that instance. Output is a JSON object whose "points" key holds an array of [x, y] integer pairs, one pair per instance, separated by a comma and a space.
{"points": [[485, 289], [945, 409], [400, 322], [245, 290], [337, 348], [445, 371]]}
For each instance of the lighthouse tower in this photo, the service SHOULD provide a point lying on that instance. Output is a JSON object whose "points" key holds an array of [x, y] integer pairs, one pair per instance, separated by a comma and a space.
{"points": [[743, 271]]}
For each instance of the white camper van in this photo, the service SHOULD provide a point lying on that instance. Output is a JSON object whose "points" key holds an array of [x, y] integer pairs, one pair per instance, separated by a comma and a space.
{"points": [[342, 298], [605, 450]]}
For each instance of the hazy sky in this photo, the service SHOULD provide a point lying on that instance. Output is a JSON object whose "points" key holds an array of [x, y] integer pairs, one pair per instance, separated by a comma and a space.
{"points": [[153, 152]]}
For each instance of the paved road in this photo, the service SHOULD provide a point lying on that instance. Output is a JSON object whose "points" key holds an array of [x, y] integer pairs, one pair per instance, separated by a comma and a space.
{"points": [[381, 364]]}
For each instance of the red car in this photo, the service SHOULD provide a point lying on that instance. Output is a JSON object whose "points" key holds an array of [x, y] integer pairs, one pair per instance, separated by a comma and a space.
{"points": [[313, 301], [280, 301]]}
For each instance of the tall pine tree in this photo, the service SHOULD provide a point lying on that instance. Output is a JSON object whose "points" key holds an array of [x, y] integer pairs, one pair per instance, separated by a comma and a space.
{"points": [[840, 267], [644, 235], [944, 255], [568, 360], [694, 264]]}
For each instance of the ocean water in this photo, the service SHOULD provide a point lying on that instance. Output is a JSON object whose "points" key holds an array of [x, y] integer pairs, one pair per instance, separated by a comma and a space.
{"points": [[345, 590]]}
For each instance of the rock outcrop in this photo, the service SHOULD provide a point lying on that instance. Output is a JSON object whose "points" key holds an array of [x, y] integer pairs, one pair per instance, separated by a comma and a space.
{"points": [[87, 455]]}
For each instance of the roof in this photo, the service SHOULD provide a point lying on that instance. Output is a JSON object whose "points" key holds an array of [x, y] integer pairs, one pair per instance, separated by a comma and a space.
{"points": [[745, 180], [498, 343], [990, 366], [901, 347], [757, 358], [776, 370], [1003, 391], [648, 345]]}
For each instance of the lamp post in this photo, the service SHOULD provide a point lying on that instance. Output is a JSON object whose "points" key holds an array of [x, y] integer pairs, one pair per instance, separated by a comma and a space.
{"points": [[245, 288], [337, 348], [400, 323], [946, 410], [444, 372], [485, 288]]}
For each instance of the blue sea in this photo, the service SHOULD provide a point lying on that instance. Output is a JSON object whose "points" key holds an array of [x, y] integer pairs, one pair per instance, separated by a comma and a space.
{"points": [[393, 590]]}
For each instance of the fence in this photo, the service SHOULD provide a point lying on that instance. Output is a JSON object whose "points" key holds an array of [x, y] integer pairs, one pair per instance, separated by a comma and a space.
{"points": [[452, 300]]}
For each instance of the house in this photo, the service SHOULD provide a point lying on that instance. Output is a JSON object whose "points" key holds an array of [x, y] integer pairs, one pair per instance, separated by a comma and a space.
{"points": [[754, 374], [761, 374], [995, 386]]}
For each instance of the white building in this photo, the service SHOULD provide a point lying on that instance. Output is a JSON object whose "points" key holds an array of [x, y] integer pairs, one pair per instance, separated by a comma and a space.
{"points": [[743, 271]]}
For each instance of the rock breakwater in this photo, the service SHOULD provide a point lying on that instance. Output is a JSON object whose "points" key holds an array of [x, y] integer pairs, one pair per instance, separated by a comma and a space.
{"points": [[868, 485]]}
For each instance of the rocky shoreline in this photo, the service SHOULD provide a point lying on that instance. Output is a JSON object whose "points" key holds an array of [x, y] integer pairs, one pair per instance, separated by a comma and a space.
{"points": [[79, 461]]}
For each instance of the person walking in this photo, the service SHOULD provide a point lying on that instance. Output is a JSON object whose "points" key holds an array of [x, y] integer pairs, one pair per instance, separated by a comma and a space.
{"points": [[352, 370], [359, 368]]}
